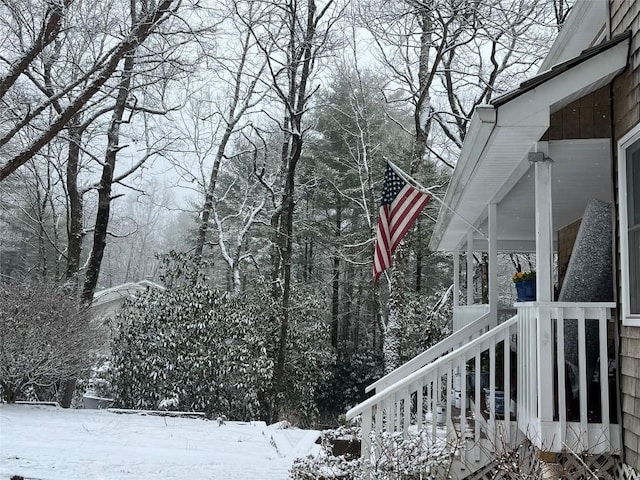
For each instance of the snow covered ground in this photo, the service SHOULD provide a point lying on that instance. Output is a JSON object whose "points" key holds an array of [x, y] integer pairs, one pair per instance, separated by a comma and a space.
{"points": [[49, 443]]}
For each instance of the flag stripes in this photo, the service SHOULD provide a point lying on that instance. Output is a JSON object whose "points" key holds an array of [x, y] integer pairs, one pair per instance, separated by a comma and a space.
{"points": [[401, 204]]}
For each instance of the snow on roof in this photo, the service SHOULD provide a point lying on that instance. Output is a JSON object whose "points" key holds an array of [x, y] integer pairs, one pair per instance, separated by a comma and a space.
{"points": [[122, 291]]}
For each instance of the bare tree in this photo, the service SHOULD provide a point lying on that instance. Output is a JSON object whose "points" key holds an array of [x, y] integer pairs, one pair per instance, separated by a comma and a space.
{"points": [[233, 228], [43, 337], [30, 117], [241, 76], [292, 36]]}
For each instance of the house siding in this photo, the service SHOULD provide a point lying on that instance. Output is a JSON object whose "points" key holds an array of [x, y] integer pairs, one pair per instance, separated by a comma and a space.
{"points": [[587, 117], [625, 15], [566, 239]]}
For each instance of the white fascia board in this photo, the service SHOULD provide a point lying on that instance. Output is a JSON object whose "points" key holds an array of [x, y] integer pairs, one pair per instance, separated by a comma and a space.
{"points": [[482, 124], [527, 113], [581, 29]]}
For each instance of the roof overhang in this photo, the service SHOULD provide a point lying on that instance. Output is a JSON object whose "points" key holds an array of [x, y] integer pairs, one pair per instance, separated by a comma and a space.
{"points": [[494, 155], [585, 27]]}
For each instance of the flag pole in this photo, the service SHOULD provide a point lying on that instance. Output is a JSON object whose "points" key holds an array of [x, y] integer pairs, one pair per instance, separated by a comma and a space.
{"points": [[413, 182]]}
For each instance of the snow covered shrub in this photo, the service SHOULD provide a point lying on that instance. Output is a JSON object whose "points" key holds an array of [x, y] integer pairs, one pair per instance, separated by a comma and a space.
{"points": [[327, 464], [350, 372], [195, 345], [395, 458], [309, 356], [98, 383], [216, 353], [43, 338]]}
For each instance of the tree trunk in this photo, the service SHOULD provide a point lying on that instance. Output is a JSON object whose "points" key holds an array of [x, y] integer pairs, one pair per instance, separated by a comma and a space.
{"points": [[74, 228], [485, 278], [393, 333], [286, 236], [106, 181], [335, 297], [419, 256], [348, 307], [209, 197]]}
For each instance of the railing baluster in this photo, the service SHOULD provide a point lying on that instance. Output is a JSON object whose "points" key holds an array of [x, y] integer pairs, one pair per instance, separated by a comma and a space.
{"points": [[562, 375], [435, 394], [406, 411], [477, 412], [604, 373], [492, 391], [522, 350], [506, 387], [388, 409], [419, 406], [365, 448], [582, 369], [397, 425], [463, 410], [544, 365]]}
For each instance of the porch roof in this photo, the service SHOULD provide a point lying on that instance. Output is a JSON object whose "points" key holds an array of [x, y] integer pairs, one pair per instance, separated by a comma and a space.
{"points": [[494, 156]]}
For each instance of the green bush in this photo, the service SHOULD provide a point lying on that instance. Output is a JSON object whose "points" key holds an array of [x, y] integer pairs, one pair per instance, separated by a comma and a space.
{"points": [[192, 348]]}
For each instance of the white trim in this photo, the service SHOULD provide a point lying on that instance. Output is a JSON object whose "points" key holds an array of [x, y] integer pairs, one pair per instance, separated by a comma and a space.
{"points": [[577, 33], [456, 278], [633, 136], [500, 137], [470, 247], [493, 263], [544, 223]]}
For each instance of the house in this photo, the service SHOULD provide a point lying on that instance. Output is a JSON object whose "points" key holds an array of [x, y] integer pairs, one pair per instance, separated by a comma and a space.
{"points": [[107, 303], [551, 168]]}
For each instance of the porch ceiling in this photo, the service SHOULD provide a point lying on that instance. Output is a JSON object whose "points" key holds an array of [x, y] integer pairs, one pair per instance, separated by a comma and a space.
{"points": [[581, 171], [493, 166]]}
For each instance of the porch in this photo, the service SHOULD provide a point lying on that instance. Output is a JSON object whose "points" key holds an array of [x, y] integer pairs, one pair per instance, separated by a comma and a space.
{"points": [[537, 375], [534, 161]]}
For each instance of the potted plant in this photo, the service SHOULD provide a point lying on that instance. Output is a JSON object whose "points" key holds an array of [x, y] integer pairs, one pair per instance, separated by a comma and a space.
{"points": [[525, 283]]}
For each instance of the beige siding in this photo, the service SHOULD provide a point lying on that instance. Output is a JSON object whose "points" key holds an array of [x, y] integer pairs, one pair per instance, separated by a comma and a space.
{"points": [[625, 15]]}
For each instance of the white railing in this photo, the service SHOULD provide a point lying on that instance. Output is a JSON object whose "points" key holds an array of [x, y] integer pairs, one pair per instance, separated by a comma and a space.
{"points": [[563, 386], [474, 329], [542, 364], [452, 399], [463, 315]]}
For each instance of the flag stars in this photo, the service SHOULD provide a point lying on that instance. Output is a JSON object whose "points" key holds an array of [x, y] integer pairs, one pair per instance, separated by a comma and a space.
{"points": [[394, 220], [393, 184]]}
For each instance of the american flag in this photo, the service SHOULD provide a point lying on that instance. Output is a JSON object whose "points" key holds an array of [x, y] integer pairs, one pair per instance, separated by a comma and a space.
{"points": [[400, 206]]}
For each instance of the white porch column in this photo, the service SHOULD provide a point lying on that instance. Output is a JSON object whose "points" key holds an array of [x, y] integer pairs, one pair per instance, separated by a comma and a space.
{"points": [[544, 227], [456, 277], [470, 268], [493, 263]]}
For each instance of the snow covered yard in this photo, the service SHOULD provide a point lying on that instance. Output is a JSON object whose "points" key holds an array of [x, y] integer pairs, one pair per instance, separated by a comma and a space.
{"points": [[49, 443]]}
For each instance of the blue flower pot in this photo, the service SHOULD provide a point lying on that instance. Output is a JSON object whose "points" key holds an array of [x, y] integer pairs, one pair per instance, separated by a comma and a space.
{"points": [[526, 291]]}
